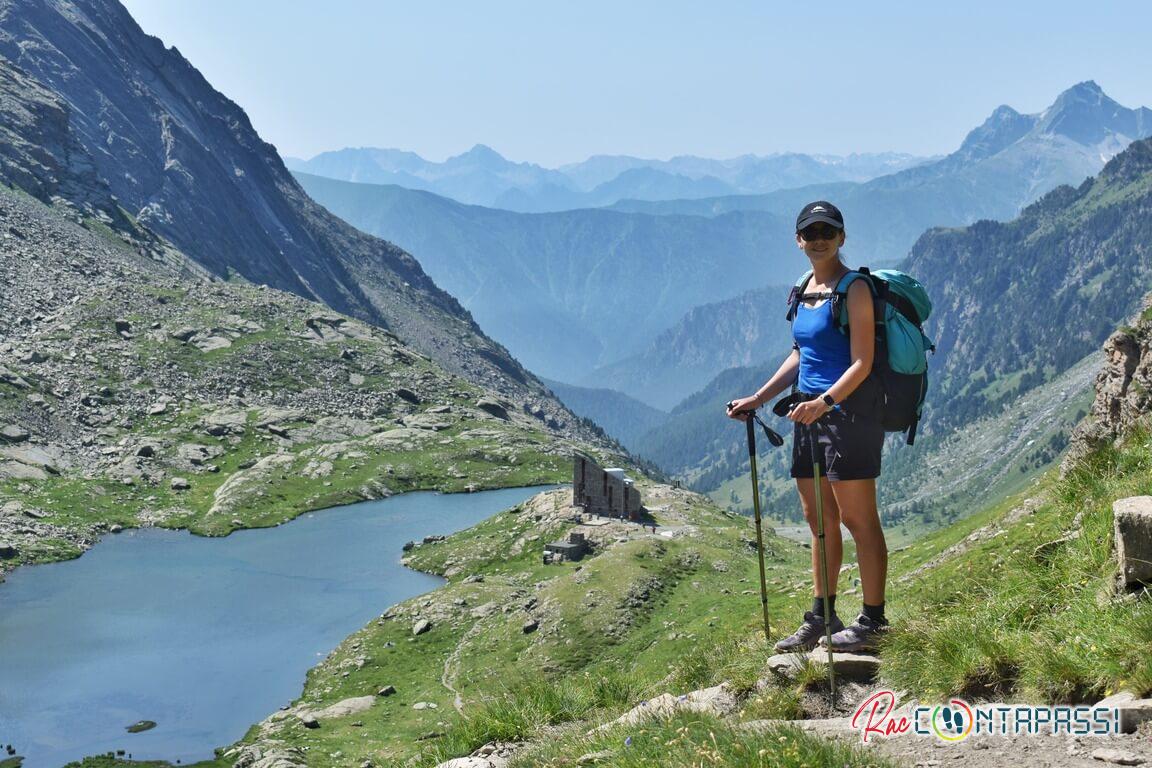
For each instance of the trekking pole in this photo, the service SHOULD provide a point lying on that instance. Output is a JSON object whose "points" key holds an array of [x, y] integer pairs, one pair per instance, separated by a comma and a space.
{"points": [[813, 435], [776, 440]]}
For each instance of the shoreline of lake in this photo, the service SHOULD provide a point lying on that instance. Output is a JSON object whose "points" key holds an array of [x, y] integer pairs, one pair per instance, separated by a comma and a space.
{"points": [[361, 542]]}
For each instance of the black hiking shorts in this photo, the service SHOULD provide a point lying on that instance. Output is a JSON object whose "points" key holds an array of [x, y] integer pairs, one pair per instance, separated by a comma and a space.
{"points": [[848, 446]]}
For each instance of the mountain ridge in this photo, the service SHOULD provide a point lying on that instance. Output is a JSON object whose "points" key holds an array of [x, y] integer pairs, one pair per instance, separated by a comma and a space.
{"points": [[599, 181], [144, 115], [1033, 155]]}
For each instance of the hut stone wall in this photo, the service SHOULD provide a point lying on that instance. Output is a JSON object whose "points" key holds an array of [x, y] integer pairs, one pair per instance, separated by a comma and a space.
{"points": [[604, 492]]}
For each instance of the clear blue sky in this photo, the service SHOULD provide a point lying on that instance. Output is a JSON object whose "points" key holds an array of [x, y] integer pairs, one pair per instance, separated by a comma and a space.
{"points": [[556, 81]]}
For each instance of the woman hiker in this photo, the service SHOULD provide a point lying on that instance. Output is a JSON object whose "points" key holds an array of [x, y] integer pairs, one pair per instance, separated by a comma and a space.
{"points": [[830, 370]]}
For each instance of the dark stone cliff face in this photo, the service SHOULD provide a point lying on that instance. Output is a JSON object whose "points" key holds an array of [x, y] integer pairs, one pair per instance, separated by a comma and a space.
{"points": [[54, 166], [1123, 389], [185, 161]]}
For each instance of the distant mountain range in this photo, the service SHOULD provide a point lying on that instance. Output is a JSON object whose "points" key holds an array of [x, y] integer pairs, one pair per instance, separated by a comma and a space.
{"points": [[745, 330], [1002, 166], [577, 275], [630, 418], [570, 291], [481, 176]]}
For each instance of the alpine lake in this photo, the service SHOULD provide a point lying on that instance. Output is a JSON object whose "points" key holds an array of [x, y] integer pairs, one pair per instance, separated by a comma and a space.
{"points": [[201, 636]]}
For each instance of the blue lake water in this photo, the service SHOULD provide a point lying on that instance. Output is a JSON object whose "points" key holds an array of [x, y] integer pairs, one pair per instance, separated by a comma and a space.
{"points": [[204, 636]]}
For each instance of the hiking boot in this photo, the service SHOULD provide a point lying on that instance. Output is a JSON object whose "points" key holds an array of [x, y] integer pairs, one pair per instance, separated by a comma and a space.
{"points": [[863, 634], [805, 638]]}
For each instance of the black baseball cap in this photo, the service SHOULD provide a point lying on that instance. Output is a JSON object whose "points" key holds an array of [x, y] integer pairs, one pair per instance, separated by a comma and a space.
{"points": [[820, 211]]}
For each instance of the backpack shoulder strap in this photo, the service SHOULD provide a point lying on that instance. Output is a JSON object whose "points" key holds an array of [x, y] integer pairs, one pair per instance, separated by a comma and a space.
{"points": [[795, 293], [840, 296]]}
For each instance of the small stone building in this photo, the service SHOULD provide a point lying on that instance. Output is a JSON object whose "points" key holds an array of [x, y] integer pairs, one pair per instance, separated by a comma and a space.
{"points": [[607, 492], [573, 549]]}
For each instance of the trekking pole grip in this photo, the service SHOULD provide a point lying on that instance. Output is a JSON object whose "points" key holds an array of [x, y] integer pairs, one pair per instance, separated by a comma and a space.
{"points": [[750, 423]]}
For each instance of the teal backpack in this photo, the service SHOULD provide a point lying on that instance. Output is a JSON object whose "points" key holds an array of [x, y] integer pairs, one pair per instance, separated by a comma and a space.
{"points": [[901, 361]]}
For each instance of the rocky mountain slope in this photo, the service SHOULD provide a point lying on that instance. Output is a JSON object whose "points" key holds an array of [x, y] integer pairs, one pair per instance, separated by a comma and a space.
{"points": [[1002, 166], [184, 161], [136, 392]]}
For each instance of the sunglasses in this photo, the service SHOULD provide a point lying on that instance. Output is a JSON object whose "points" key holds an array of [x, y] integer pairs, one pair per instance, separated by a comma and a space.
{"points": [[819, 232]]}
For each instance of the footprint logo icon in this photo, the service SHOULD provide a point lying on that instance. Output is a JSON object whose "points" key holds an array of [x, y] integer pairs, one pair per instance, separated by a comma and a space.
{"points": [[953, 721]]}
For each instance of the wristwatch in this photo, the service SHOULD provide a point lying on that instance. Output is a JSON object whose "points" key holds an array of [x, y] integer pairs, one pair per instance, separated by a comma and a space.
{"points": [[828, 401]]}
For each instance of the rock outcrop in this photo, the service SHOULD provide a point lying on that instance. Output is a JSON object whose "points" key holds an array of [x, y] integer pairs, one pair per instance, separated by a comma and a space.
{"points": [[1123, 388], [1132, 523]]}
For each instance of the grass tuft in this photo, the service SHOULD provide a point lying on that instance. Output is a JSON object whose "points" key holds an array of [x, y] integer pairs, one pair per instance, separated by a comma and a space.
{"points": [[1031, 612]]}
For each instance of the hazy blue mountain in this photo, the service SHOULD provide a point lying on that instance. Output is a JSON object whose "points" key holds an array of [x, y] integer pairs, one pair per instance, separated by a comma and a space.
{"points": [[622, 417], [746, 173], [655, 184], [570, 291], [482, 176], [1003, 165], [699, 443], [741, 331]]}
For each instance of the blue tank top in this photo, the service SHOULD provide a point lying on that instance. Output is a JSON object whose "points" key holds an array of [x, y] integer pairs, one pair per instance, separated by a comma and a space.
{"points": [[825, 352]]}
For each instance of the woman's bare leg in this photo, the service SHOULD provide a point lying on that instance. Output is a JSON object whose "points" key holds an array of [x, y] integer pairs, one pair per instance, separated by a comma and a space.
{"points": [[856, 500]]}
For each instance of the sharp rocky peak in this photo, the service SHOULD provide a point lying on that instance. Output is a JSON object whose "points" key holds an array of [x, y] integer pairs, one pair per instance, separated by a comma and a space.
{"points": [[480, 154], [1003, 127], [1087, 115]]}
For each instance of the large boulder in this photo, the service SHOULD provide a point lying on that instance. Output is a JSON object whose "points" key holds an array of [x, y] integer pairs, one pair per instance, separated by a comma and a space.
{"points": [[1133, 711], [1133, 531], [211, 343], [492, 408], [45, 458], [718, 701], [345, 708], [14, 434]]}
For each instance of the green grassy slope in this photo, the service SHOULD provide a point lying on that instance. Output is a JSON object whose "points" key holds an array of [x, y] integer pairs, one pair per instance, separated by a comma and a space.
{"points": [[1024, 615], [988, 608], [624, 623]]}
